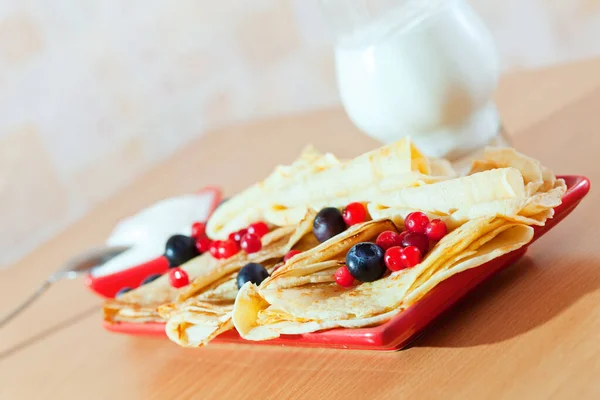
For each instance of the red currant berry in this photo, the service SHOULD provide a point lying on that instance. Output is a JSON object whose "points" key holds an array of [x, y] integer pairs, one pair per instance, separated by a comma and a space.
{"points": [[354, 213], [251, 243], [198, 229], [203, 244], [436, 229], [291, 254], [178, 277], [237, 236], [410, 256], [259, 229], [343, 277], [401, 237], [214, 248], [418, 240], [393, 258], [416, 222], [388, 239], [228, 248]]}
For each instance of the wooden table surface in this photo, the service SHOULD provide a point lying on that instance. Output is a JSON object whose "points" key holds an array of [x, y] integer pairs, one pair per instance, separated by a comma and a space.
{"points": [[531, 332]]}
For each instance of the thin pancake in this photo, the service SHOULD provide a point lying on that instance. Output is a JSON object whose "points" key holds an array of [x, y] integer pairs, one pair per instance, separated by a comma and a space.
{"points": [[263, 313]]}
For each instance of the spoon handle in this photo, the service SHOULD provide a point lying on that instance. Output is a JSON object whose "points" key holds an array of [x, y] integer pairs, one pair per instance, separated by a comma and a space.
{"points": [[5, 319]]}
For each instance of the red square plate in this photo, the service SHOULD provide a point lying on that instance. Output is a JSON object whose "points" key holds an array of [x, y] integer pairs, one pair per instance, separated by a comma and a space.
{"points": [[402, 329]]}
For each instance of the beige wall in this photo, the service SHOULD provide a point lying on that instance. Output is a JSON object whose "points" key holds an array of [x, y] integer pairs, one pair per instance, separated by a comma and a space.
{"points": [[93, 92]]}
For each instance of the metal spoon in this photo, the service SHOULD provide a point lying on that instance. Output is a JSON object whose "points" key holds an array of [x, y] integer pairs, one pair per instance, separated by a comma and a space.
{"points": [[75, 267]]}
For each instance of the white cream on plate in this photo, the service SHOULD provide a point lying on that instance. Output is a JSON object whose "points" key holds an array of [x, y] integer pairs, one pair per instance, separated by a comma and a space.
{"points": [[148, 230]]}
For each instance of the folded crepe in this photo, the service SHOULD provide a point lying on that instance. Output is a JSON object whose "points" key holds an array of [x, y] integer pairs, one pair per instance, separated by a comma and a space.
{"points": [[203, 310], [489, 213], [265, 312], [505, 183], [316, 181], [213, 281], [139, 305]]}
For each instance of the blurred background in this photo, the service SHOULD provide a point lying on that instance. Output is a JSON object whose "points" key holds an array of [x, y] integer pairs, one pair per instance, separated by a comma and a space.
{"points": [[93, 93]]}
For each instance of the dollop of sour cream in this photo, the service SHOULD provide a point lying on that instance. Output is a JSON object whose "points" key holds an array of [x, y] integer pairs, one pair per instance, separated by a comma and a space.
{"points": [[148, 230]]}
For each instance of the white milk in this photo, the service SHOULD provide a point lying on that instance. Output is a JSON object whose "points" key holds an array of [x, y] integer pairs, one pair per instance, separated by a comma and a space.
{"points": [[428, 71]]}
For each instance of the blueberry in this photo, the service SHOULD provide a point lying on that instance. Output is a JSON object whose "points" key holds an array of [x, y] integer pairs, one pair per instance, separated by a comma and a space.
{"points": [[365, 262], [328, 223], [123, 291], [180, 249], [252, 272], [151, 278]]}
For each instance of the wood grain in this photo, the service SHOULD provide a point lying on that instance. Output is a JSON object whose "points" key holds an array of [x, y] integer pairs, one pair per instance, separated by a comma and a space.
{"points": [[531, 332]]}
